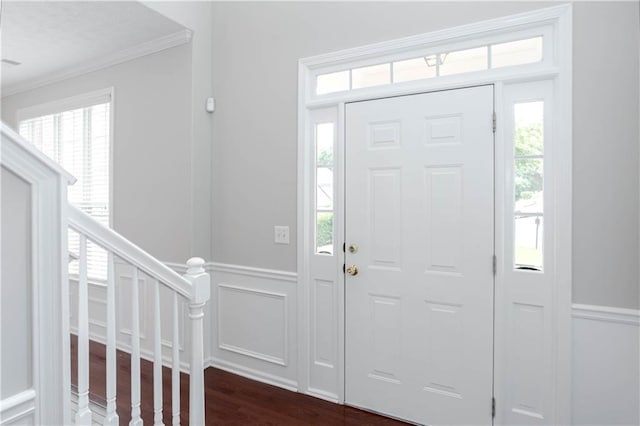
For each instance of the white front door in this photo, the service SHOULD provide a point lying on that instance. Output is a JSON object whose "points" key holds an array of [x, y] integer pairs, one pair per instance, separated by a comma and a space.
{"points": [[420, 230]]}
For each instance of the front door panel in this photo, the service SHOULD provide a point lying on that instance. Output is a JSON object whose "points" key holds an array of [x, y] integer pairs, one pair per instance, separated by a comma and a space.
{"points": [[419, 208]]}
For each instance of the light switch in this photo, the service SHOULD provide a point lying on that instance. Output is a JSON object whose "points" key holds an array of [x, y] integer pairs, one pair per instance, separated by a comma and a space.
{"points": [[281, 234]]}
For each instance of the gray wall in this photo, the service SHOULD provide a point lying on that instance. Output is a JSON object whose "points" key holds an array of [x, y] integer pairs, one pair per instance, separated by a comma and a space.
{"points": [[255, 51], [197, 17], [605, 154], [152, 150], [15, 285]]}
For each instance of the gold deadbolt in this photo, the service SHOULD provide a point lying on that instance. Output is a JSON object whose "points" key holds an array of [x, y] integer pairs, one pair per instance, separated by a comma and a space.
{"points": [[352, 270], [353, 248]]}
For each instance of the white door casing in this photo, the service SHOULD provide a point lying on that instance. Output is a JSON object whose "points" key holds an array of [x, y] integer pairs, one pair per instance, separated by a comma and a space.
{"points": [[419, 208], [321, 291]]}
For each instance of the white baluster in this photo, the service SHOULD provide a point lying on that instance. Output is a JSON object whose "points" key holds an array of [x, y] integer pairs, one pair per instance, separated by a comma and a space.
{"points": [[111, 417], [157, 360], [83, 415], [175, 367], [135, 351], [200, 295]]}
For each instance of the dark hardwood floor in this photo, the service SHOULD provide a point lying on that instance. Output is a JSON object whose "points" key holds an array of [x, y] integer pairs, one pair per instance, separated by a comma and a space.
{"points": [[230, 399]]}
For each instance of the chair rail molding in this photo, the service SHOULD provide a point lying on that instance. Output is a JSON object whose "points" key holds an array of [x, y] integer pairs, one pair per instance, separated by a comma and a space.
{"points": [[606, 314]]}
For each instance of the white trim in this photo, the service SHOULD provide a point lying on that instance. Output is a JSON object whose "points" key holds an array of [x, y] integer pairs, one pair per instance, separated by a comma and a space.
{"points": [[48, 272], [606, 314], [327, 396], [249, 271], [563, 214], [98, 412], [384, 48], [457, 81], [125, 249], [271, 274], [243, 351], [57, 106], [304, 235], [492, 31], [147, 48], [252, 374], [179, 268], [32, 151], [17, 406], [555, 67]]}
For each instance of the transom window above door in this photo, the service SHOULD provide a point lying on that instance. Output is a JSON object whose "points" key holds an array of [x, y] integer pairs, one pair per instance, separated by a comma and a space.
{"points": [[524, 48]]}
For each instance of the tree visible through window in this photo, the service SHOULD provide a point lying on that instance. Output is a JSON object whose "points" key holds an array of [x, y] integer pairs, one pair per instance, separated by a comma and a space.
{"points": [[78, 139], [529, 184]]}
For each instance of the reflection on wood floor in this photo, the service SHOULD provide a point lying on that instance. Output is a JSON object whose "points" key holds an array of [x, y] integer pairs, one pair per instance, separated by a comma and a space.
{"points": [[230, 399]]}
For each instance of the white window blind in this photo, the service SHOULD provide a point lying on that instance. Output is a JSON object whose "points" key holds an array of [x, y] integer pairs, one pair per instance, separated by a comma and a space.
{"points": [[78, 139]]}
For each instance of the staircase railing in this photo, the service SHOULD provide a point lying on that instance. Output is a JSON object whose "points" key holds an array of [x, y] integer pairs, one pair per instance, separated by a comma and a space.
{"points": [[192, 289]]}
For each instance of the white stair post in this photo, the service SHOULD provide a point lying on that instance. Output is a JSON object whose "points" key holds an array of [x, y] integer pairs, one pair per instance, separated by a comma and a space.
{"points": [[111, 418], [200, 295], [83, 415]]}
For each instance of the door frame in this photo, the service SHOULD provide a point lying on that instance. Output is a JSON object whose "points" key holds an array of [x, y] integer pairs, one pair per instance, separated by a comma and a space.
{"points": [[325, 378]]}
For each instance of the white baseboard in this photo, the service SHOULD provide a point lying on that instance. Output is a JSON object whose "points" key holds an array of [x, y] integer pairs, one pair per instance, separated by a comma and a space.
{"points": [[252, 374], [327, 396]]}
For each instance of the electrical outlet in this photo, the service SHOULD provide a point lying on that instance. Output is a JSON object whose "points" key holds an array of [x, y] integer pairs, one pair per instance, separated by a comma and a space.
{"points": [[281, 234]]}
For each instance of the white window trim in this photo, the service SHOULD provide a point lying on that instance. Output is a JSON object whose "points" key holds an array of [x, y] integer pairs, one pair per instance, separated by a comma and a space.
{"points": [[557, 68], [75, 102], [423, 46]]}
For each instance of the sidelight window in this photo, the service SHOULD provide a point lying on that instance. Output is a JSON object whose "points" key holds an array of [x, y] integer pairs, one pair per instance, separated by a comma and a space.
{"points": [[324, 160], [528, 184]]}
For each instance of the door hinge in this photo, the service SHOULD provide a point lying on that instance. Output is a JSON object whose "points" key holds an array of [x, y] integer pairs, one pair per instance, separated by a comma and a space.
{"points": [[493, 408], [494, 120], [344, 268], [495, 265], [344, 247]]}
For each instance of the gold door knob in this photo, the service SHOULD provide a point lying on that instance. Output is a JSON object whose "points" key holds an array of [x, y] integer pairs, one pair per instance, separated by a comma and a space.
{"points": [[352, 270]]}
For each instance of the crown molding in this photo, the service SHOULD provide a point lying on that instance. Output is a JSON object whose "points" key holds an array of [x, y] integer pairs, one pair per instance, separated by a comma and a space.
{"points": [[128, 54]]}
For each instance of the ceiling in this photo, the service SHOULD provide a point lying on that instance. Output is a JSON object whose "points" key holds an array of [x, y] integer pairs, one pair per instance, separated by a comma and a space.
{"points": [[49, 37]]}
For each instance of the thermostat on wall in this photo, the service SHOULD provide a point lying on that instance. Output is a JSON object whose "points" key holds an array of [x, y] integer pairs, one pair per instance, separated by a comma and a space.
{"points": [[211, 105]]}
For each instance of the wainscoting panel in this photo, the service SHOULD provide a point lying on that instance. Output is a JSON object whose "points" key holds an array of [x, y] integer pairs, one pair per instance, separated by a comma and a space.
{"points": [[262, 335], [606, 366], [253, 323], [251, 330]]}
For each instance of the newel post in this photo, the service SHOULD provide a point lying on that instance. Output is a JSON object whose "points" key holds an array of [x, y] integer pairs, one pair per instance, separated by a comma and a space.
{"points": [[201, 293]]}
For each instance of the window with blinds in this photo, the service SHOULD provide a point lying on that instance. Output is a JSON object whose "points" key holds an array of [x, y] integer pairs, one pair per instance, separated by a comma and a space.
{"points": [[78, 139]]}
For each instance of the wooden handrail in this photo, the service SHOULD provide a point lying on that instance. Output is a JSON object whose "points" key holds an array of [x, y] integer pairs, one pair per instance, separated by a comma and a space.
{"points": [[126, 250]]}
